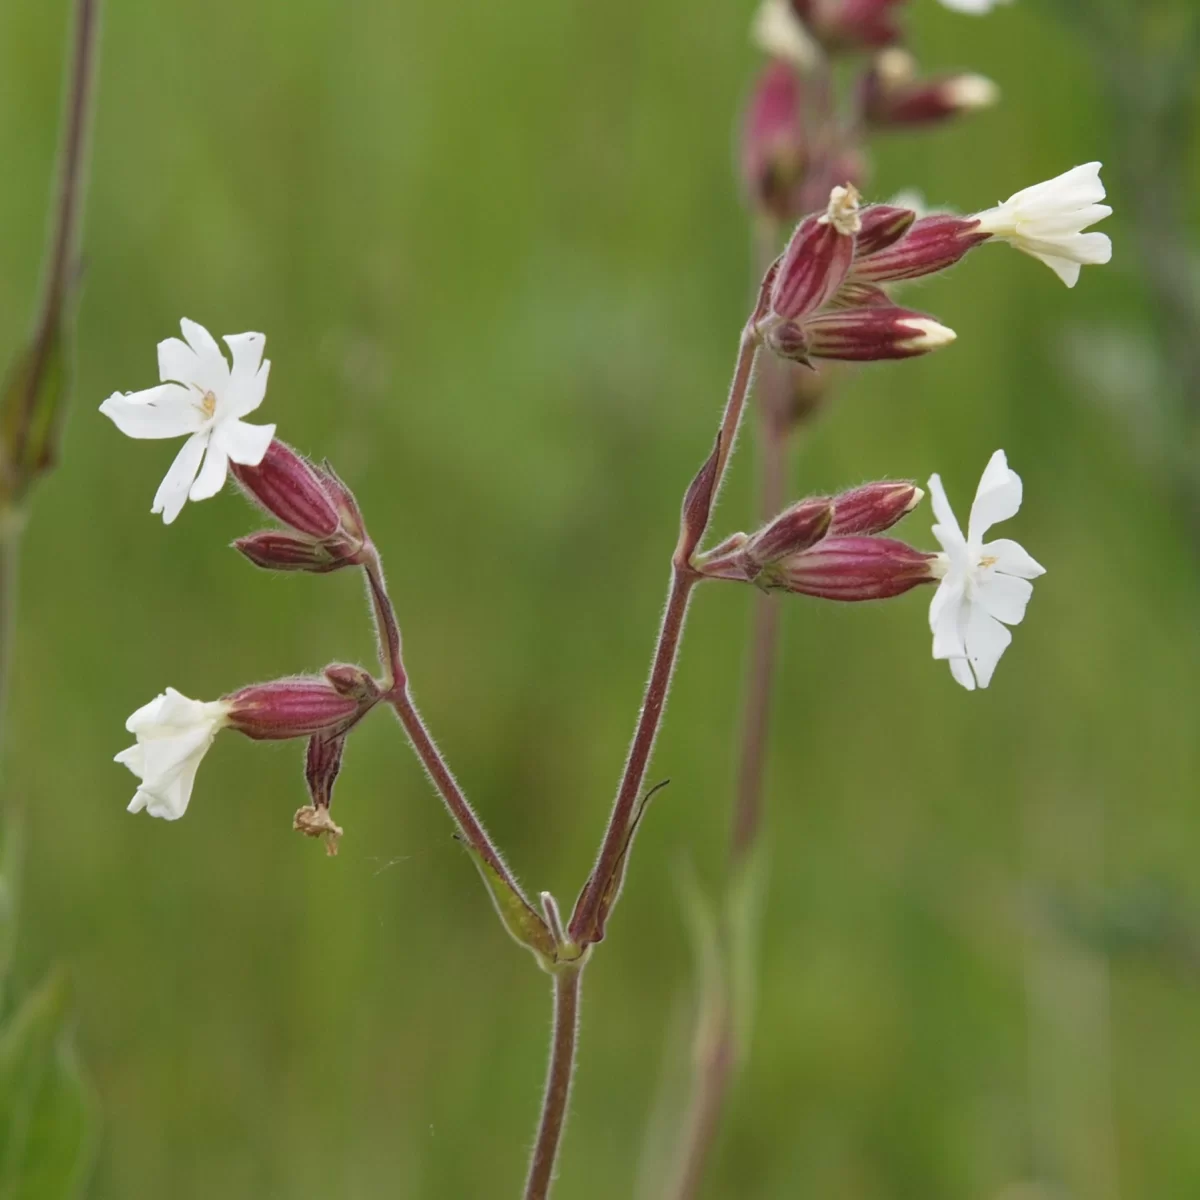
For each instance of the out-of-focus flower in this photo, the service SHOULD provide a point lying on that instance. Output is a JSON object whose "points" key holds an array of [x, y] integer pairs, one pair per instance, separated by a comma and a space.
{"points": [[975, 7], [984, 585], [778, 31], [173, 734], [1047, 221], [774, 154], [841, 25], [893, 94], [202, 396]]}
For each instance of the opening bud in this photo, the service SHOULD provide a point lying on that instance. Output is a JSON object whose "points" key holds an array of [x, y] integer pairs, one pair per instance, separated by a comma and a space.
{"points": [[795, 529], [870, 334], [818, 257], [303, 705], [873, 507], [931, 244], [891, 94], [851, 569]]}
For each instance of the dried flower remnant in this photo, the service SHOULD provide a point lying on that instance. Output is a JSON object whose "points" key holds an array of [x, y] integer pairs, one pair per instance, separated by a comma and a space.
{"points": [[204, 397], [984, 585]]}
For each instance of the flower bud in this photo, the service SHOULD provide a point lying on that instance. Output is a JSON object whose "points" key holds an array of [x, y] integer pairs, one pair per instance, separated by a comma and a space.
{"points": [[891, 94], [795, 529], [297, 707], [774, 147], [869, 334], [850, 24], [932, 244], [275, 551], [818, 257], [851, 568], [873, 507], [881, 226], [291, 490]]}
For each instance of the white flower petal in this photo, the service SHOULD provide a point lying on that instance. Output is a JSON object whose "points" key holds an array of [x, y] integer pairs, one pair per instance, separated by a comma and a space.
{"points": [[941, 506], [1013, 559], [1067, 269], [974, 7], [212, 475], [246, 395], [997, 499], [246, 444], [1005, 597], [947, 620], [1075, 188], [165, 411], [173, 491], [987, 640], [247, 351], [961, 671]]}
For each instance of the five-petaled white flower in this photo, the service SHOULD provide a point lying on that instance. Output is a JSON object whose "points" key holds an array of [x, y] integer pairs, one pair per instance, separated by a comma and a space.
{"points": [[173, 734], [1047, 220], [983, 583], [203, 396]]}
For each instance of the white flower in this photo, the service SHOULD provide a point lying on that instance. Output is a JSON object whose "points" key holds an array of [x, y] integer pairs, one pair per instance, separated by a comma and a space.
{"points": [[173, 734], [1048, 219], [983, 583], [977, 7], [202, 396], [779, 32]]}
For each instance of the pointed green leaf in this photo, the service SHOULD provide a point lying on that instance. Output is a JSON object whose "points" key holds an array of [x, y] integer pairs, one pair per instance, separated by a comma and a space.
{"points": [[522, 922]]}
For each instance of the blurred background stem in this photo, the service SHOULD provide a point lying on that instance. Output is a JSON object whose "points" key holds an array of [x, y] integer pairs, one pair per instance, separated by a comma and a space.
{"points": [[33, 401]]}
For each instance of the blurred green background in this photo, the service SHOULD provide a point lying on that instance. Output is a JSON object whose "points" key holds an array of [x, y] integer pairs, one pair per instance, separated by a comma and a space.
{"points": [[501, 262]]}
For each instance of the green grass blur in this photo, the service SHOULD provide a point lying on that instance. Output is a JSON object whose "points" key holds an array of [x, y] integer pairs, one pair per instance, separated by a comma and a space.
{"points": [[501, 263]]}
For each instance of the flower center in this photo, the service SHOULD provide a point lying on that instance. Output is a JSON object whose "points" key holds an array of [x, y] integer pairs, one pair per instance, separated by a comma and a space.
{"points": [[208, 405], [988, 560]]}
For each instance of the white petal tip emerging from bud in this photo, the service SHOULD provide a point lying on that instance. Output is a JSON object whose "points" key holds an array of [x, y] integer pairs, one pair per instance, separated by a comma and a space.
{"points": [[928, 335], [918, 494], [777, 31], [842, 212], [895, 66], [968, 92]]}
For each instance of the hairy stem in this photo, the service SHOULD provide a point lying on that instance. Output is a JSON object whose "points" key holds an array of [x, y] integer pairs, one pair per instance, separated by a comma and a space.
{"points": [[396, 692], [10, 542], [567, 983], [598, 895], [62, 257]]}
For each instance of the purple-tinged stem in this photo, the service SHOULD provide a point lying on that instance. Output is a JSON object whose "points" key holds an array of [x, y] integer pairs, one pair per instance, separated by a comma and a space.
{"points": [[395, 692], [567, 983], [598, 895]]}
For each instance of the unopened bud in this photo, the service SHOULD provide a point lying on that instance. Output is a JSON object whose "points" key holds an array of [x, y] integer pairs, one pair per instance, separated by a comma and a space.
{"points": [[881, 225], [850, 24], [851, 568], [355, 682], [873, 507], [297, 707], [818, 257], [932, 244], [291, 490], [869, 334], [276, 551], [795, 529]]}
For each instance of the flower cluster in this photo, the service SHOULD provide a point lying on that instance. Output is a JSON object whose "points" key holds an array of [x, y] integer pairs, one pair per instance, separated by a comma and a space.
{"points": [[829, 547], [205, 397]]}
